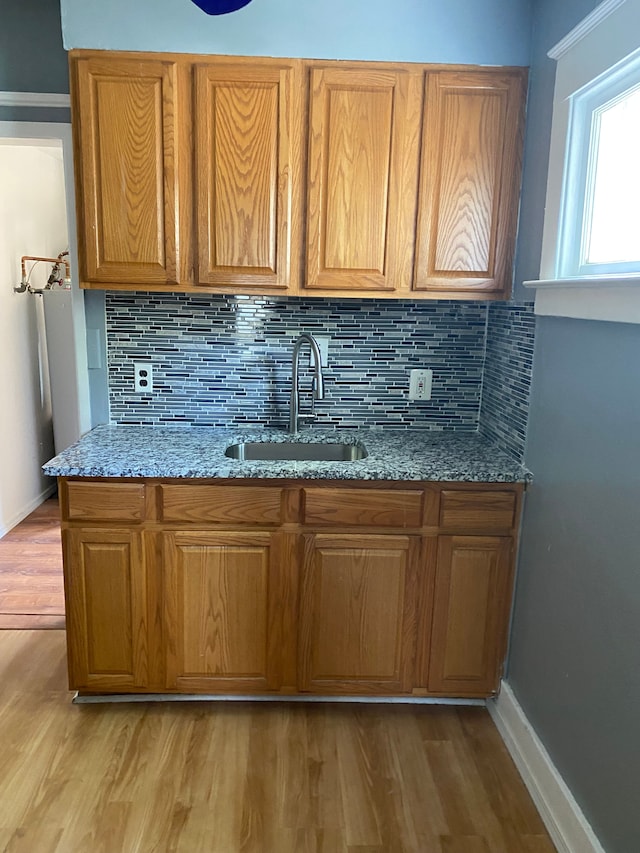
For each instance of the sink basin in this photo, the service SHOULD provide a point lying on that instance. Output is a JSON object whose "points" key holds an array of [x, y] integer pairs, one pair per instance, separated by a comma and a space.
{"points": [[296, 451]]}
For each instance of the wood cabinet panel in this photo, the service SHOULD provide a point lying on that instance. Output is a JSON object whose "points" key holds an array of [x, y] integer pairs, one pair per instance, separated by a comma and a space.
{"points": [[222, 504], [360, 206], [471, 602], [357, 619], [246, 165], [219, 611], [183, 161], [476, 510], [127, 118], [106, 603], [104, 501], [361, 507], [277, 601], [469, 180]]}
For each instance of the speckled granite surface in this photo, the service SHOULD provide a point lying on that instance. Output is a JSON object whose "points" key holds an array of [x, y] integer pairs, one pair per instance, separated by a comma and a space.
{"points": [[136, 451]]}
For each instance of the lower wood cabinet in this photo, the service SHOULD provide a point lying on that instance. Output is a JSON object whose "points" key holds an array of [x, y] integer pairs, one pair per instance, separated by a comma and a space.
{"points": [[106, 609], [358, 614], [221, 611], [323, 592], [471, 603]]}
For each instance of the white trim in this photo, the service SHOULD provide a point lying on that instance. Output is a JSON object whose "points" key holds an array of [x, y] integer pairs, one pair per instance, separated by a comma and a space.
{"points": [[27, 510], [583, 29], [615, 299], [591, 281], [613, 304], [34, 99], [568, 827]]}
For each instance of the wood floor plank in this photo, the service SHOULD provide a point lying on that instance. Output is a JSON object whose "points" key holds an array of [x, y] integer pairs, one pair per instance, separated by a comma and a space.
{"points": [[24, 580], [356, 780], [451, 787], [41, 603], [417, 793], [31, 621], [205, 777], [31, 582]]}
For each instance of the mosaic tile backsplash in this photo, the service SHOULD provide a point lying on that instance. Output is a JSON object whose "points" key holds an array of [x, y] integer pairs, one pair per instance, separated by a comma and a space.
{"points": [[226, 360], [507, 375]]}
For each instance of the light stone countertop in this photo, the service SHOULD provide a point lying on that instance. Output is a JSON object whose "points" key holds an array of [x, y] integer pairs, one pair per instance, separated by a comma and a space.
{"points": [[198, 452]]}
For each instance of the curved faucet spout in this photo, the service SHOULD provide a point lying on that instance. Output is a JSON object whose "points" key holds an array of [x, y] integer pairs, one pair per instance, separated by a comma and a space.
{"points": [[318, 384]]}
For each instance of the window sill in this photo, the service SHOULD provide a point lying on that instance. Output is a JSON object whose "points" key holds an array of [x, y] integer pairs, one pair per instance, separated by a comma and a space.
{"points": [[612, 298]]}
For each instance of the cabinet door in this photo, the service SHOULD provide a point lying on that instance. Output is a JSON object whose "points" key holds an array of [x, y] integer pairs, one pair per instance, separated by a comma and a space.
{"points": [[469, 181], [361, 191], [222, 620], [357, 620], [106, 603], [472, 599], [132, 180], [247, 174]]}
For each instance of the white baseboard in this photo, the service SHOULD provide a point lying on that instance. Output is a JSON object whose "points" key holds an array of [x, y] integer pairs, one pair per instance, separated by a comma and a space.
{"points": [[566, 824], [26, 510]]}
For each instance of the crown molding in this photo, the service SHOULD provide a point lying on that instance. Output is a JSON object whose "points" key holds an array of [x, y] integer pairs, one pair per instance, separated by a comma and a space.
{"points": [[35, 99], [585, 26]]}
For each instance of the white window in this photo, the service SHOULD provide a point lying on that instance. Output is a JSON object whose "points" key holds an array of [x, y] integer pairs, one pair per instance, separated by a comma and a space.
{"points": [[590, 265], [600, 217]]}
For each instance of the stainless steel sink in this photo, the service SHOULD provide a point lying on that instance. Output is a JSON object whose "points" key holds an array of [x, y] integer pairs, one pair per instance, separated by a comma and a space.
{"points": [[296, 451]]}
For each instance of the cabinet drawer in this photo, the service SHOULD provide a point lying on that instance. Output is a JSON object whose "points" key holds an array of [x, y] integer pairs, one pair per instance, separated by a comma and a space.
{"points": [[224, 504], [364, 508], [105, 501], [475, 510]]}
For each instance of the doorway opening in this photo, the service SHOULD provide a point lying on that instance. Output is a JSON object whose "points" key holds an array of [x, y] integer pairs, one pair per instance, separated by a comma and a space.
{"points": [[43, 378]]}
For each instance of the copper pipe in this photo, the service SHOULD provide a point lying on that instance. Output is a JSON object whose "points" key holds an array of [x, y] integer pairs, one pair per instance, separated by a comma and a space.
{"points": [[58, 260]]}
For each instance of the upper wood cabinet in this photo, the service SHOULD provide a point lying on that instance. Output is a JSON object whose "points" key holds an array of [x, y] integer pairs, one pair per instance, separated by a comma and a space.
{"points": [[469, 181], [360, 205], [247, 124], [130, 117], [192, 172]]}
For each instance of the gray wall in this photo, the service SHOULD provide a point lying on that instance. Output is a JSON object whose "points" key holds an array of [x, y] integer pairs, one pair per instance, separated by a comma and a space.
{"points": [[32, 58], [574, 661]]}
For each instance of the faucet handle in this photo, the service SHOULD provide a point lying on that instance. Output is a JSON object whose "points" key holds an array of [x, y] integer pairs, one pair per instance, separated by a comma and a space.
{"points": [[317, 385]]}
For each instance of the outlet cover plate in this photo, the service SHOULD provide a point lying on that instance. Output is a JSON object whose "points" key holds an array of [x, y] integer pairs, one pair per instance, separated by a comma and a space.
{"points": [[420, 384], [143, 377]]}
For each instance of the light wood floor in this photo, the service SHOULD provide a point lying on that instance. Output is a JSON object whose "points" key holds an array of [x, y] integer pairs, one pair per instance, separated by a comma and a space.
{"points": [[31, 589], [203, 777]]}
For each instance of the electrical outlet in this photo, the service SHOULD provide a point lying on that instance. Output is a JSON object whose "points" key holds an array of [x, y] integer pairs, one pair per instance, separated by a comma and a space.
{"points": [[420, 384], [143, 377]]}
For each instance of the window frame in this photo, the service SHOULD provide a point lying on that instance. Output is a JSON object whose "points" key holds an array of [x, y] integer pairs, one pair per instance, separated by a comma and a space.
{"points": [[585, 106], [607, 36]]}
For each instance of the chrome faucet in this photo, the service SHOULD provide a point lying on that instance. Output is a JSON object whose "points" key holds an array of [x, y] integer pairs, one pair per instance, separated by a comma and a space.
{"points": [[318, 381]]}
